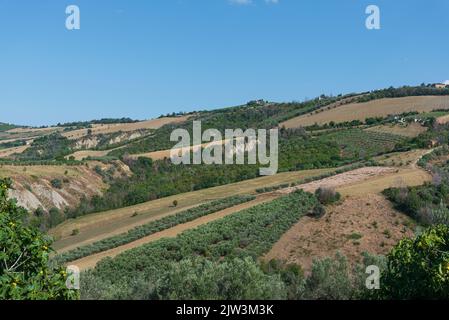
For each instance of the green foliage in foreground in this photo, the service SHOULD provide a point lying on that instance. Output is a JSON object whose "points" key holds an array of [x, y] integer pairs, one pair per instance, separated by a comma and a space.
{"points": [[24, 251], [248, 233], [153, 227], [419, 268]]}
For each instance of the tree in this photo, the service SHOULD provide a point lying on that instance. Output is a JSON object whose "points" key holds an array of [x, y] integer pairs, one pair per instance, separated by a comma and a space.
{"points": [[25, 273], [236, 279], [419, 268]]}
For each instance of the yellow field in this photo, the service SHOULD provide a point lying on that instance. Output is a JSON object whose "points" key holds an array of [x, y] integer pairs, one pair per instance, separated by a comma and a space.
{"points": [[375, 108], [123, 127], [101, 225], [39, 131], [412, 130]]}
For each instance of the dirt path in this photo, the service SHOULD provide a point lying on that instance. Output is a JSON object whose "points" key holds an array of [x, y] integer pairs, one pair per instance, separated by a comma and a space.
{"points": [[91, 261]]}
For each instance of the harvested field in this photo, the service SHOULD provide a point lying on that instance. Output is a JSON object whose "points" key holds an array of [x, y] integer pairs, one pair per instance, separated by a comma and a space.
{"points": [[375, 108], [365, 223], [412, 130], [343, 179]]}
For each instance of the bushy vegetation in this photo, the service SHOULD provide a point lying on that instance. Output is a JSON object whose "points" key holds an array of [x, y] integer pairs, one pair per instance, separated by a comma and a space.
{"points": [[152, 227], [298, 151], [50, 147], [418, 268], [326, 195], [265, 116], [427, 204], [405, 91], [24, 252]]}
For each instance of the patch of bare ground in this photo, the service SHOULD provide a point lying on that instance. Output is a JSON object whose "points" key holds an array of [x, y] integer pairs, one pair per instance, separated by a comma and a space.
{"points": [[92, 260], [366, 223]]}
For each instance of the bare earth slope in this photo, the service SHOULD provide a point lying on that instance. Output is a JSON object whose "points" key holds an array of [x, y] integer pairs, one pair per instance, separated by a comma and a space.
{"points": [[365, 223]]}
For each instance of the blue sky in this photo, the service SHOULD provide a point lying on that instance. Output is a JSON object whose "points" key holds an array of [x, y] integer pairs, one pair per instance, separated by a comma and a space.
{"points": [[143, 58]]}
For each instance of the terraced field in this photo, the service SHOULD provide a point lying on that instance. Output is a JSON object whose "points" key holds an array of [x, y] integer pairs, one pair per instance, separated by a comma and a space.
{"points": [[95, 227]]}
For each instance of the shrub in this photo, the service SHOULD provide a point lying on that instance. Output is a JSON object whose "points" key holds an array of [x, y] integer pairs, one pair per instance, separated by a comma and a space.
{"points": [[56, 183], [330, 280], [236, 279], [327, 195], [318, 211], [419, 268]]}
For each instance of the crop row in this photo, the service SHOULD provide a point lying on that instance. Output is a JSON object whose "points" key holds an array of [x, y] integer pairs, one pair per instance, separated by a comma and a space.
{"points": [[152, 227], [249, 233]]}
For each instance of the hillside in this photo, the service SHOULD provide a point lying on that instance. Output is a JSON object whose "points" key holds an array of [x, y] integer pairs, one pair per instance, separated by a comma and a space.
{"points": [[371, 109], [106, 188]]}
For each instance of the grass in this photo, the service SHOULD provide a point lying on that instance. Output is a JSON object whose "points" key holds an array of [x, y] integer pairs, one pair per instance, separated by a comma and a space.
{"points": [[355, 236]]}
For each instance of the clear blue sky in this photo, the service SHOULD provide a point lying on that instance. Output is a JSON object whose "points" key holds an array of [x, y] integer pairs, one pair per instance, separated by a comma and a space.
{"points": [[142, 58]]}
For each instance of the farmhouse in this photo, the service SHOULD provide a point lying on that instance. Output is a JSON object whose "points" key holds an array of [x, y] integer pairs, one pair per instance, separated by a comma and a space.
{"points": [[440, 85]]}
